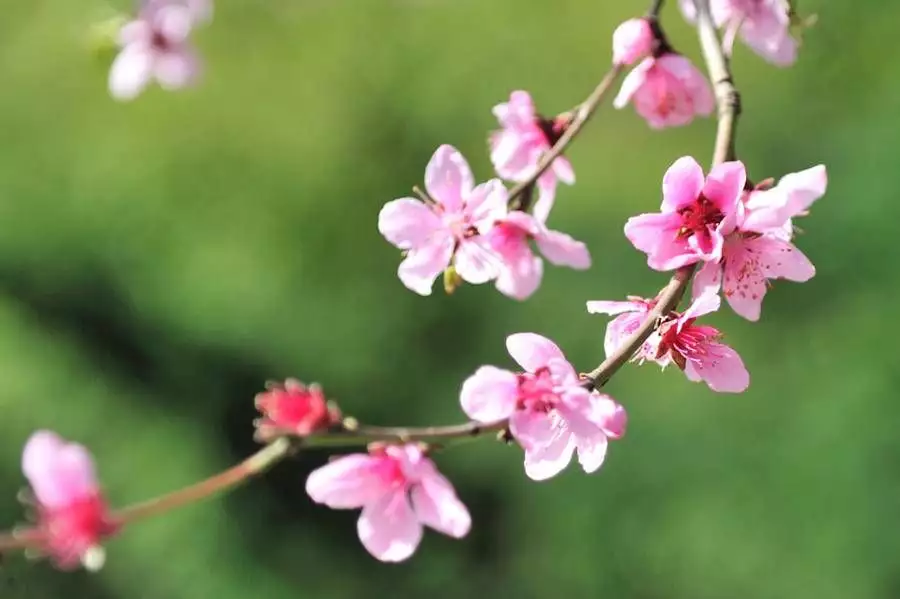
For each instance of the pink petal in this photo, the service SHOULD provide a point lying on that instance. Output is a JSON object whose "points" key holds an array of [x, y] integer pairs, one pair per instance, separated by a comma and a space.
{"points": [[130, 72], [563, 250], [613, 308], [175, 70], [619, 329], [437, 506], [724, 186], [448, 178], [782, 260], [546, 461], [705, 304], [544, 204], [490, 394], [518, 113], [531, 429], [511, 154], [591, 450], [632, 40], [721, 368], [389, 529], [524, 221], [135, 32], [173, 22], [682, 184], [609, 415], [475, 262], [350, 481], [563, 170], [422, 265], [59, 473], [633, 82], [487, 204], [803, 188], [532, 351], [520, 278], [650, 232], [407, 223]]}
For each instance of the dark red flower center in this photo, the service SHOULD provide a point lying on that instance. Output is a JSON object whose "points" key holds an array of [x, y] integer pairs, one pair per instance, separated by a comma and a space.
{"points": [[698, 217]]}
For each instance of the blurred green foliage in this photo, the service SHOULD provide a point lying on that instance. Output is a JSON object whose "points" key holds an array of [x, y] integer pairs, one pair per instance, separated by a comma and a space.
{"points": [[159, 260]]}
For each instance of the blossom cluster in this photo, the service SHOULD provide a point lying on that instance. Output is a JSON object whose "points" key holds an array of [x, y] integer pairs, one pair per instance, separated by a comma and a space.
{"points": [[731, 236]]}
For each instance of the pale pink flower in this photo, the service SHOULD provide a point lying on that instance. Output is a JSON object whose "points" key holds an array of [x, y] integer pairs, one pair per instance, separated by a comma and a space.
{"points": [[760, 249], [516, 149], [399, 490], [449, 229], [155, 47], [521, 271], [632, 40], [551, 415], [764, 25], [628, 317], [696, 349], [695, 215], [667, 91], [72, 514]]}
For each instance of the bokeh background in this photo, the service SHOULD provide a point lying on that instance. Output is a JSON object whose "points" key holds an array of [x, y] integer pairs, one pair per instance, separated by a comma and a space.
{"points": [[160, 260]]}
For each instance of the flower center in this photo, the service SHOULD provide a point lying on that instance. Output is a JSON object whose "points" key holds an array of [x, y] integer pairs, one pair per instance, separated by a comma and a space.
{"points": [[690, 344], [536, 393], [698, 217], [73, 529]]}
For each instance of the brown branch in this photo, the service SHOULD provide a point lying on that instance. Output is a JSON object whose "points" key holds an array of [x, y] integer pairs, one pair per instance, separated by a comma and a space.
{"points": [[582, 115]]}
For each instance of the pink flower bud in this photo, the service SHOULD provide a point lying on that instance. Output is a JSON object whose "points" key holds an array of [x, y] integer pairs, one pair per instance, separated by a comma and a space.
{"points": [[632, 40], [72, 514], [295, 409]]}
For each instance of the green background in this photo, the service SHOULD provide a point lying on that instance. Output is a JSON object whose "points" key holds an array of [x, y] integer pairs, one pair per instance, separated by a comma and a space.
{"points": [[160, 260]]}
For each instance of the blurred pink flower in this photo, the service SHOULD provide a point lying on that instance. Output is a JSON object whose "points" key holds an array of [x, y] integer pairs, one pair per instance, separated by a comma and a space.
{"points": [[399, 490], [696, 349], [516, 149], [155, 47], [632, 40], [72, 514], [521, 271], [450, 229], [550, 414], [695, 215], [667, 91], [760, 249], [764, 25], [628, 317], [295, 409]]}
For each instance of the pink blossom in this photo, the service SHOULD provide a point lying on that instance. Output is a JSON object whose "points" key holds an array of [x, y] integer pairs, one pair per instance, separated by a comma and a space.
{"points": [[517, 148], [628, 317], [72, 514], [155, 47], [399, 490], [449, 229], [764, 25], [551, 415], [695, 215], [667, 90], [632, 40], [696, 349], [760, 249], [295, 409], [520, 273]]}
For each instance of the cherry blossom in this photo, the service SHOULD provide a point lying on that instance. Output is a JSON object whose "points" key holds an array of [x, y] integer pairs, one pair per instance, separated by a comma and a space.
{"points": [[155, 47], [667, 91], [551, 415], [628, 317], [632, 40], [764, 25], [760, 249], [399, 490], [695, 215], [72, 516], [517, 148], [521, 271], [696, 349], [294, 408], [448, 228]]}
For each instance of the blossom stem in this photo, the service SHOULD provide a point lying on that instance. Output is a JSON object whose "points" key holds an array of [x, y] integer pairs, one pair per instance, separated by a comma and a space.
{"points": [[582, 115], [655, 9]]}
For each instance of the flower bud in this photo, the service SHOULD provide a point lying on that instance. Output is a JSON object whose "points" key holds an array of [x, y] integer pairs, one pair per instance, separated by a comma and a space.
{"points": [[632, 40]]}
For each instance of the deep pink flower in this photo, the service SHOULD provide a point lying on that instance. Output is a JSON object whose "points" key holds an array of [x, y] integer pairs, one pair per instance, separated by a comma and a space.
{"points": [[399, 490], [520, 273], [72, 514], [764, 25], [696, 349], [632, 40], [155, 47], [667, 90], [434, 235], [695, 215], [516, 149], [550, 414], [628, 317], [760, 249], [295, 409]]}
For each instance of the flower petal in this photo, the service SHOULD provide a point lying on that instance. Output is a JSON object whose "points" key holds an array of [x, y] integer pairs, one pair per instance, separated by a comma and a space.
{"points": [[448, 178], [532, 351], [351, 481], [487, 204], [130, 72], [563, 250], [389, 529], [59, 472], [724, 186], [490, 394], [681, 184], [721, 368], [436, 505], [422, 265], [520, 278], [475, 262], [407, 223]]}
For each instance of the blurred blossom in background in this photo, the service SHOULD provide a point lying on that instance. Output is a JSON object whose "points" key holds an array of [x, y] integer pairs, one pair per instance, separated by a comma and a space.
{"points": [[160, 259]]}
